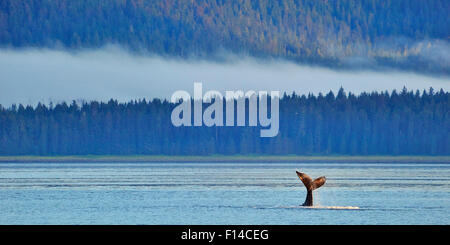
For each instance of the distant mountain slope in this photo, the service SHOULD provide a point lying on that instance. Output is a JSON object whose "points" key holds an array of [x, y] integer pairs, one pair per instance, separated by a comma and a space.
{"points": [[407, 34]]}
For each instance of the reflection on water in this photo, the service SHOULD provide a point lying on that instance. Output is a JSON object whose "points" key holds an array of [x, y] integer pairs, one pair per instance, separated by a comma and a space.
{"points": [[219, 193]]}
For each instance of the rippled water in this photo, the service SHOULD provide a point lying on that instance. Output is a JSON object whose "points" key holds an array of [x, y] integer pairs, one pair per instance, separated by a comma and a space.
{"points": [[218, 193]]}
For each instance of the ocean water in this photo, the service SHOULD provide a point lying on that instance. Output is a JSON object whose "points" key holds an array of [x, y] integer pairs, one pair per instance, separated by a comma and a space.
{"points": [[222, 193]]}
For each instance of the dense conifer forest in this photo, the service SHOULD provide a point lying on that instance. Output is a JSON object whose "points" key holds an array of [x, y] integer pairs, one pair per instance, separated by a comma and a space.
{"points": [[377, 123], [406, 34]]}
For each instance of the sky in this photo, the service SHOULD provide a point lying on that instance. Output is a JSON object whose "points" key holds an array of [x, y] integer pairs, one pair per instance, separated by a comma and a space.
{"points": [[30, 76]]}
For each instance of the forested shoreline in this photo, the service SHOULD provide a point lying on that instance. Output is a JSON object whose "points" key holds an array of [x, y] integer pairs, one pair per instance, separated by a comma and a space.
{"points": [[376, 123], [223, 159]]}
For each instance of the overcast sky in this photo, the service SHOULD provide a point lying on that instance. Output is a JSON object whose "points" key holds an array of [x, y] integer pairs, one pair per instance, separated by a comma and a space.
{"points": [[31, 76]]}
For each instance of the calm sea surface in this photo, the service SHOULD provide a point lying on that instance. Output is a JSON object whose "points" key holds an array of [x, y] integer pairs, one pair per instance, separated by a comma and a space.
{"points": [[218, 193]]}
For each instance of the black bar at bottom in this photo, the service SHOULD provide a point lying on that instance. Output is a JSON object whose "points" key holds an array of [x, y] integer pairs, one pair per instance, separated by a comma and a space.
{"points": [[216, 234]]}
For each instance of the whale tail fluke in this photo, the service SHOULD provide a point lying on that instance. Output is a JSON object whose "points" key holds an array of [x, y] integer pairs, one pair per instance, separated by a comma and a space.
{"points": [[318, 182], [310, 185]]}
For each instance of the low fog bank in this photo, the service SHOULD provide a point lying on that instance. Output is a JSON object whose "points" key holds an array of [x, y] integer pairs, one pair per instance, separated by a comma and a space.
{"points": [[36, 75]]}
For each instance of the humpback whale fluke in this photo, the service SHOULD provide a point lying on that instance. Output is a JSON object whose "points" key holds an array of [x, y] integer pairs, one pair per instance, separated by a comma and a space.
{"points": [[310, 186]]}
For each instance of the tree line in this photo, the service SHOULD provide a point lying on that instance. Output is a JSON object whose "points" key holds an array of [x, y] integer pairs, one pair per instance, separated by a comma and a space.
{"points": [[376, 123]]}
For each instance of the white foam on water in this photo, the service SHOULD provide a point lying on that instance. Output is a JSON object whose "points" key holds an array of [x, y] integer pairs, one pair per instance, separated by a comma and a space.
{"points": [[312, 207], [332, 207]]}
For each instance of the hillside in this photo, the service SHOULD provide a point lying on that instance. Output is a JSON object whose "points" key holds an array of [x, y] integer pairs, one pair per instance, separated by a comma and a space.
{"points": [[406, 34]]}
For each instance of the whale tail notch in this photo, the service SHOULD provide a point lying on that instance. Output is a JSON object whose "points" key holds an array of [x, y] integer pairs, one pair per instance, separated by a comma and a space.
{"points": [[310, 185]]}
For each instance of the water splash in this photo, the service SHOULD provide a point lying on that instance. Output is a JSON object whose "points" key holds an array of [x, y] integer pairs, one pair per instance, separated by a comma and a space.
{"points": [[332, 207]]}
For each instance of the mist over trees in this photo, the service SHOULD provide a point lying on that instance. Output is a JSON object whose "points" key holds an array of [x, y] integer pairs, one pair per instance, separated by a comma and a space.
{"points": [[407, 34], [396, 123]]}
